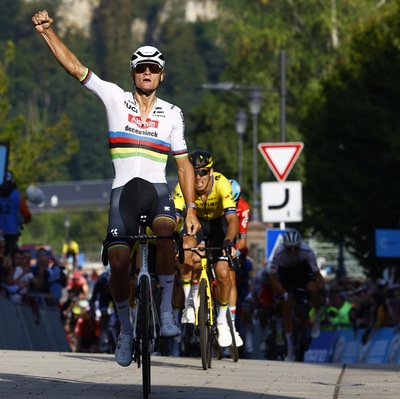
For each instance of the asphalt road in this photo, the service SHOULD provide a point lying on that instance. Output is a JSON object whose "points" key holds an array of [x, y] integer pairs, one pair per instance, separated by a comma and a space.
{"points": [[27, 374]]}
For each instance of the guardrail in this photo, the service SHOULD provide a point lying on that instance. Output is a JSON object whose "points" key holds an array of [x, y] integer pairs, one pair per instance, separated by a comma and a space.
{"points": [[26, 327]]}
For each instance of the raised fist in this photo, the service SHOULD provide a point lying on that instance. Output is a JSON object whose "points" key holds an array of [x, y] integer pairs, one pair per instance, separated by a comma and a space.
{"points": [[42, 21]]}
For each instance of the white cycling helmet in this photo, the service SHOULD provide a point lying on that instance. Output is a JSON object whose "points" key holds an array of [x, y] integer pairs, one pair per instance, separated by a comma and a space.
{"points": [[147, 54], [292, 238]]}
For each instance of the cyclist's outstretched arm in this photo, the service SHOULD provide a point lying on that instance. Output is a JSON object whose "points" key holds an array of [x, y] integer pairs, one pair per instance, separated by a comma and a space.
{"points": [[65, 57]]}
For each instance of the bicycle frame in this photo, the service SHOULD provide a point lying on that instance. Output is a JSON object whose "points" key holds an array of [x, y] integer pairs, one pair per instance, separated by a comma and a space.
{"points": [[204, 277], [146, 324], [301, 322], [205, 308], [144, 271]]}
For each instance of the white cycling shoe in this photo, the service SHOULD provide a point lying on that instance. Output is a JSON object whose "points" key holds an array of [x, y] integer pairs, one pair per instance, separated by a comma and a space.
{"points": [[224, 335], [169, 327], [188, 315], [238, 339], [124, 349], [315, 330]]}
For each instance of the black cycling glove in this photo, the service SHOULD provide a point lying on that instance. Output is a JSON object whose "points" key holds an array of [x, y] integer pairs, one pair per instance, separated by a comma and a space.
{"points": [[227, 247]]}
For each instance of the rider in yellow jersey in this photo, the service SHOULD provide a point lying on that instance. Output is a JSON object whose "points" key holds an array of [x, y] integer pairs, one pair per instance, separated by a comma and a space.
{"points": [[216, 212]]}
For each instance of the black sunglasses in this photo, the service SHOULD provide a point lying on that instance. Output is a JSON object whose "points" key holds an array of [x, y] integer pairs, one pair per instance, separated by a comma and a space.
{"points": [[201, 172], [153, 68]]}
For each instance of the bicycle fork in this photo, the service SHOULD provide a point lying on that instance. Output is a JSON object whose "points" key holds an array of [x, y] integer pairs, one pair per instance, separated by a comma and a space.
{"points": [[154, 325], [204, 276]]}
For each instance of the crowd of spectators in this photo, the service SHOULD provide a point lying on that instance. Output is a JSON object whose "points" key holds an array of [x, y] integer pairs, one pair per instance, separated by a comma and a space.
{"points": [[350, 304], [23, 281], [363, 304]]}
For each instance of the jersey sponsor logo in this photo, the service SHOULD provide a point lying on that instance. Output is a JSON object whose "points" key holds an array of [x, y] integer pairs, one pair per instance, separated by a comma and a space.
{"points": [[245, 215], [131, 106], [212, 203], [144, 125], [140, 132], [159, 112], [183, 124]]}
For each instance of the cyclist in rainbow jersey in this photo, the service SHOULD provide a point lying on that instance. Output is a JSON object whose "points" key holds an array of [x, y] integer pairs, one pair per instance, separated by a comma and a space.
{"points": [[142, 130]]}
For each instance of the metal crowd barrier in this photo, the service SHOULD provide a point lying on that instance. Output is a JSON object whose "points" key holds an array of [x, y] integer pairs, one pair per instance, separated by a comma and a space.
{"points": [[33, 326]]}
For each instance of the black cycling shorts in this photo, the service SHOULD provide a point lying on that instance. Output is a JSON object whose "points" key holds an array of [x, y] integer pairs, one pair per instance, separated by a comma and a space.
{"points": [[138, 197], [296, 277], [214, 233]]}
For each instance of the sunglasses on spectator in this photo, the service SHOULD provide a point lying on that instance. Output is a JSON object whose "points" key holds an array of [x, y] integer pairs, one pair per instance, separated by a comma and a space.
{"points": [[153, 68], [201, 172]]}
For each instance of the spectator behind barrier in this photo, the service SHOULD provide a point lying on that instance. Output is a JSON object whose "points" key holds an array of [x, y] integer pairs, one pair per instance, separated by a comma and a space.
{"points": [[339, 313], [23, 276], [41, 287], [17, 212]]}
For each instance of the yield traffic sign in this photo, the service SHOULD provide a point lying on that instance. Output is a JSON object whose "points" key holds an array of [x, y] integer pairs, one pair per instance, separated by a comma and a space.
{"points": [[280, 157]]}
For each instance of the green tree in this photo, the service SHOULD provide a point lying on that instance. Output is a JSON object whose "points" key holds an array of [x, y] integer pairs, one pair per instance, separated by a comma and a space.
{"points": [[31, 143], [40, 89], [112, 40], [313, 34], [353, 146]]}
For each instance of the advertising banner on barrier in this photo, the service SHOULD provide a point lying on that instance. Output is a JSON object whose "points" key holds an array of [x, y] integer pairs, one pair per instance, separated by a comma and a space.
{"points": [[393, 354], [321, 348], [347, 347], [360, 346]]}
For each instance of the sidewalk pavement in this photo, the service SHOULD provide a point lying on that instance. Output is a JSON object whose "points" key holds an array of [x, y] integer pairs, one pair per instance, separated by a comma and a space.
{"points": [[28, 374]]}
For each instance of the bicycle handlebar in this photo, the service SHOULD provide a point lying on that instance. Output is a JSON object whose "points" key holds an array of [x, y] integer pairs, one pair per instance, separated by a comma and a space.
{"points": [[233, 263], [175, 236]]}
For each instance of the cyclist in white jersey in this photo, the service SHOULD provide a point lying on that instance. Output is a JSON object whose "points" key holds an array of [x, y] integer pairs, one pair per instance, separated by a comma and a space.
{"points": [[294, 266], [142, 130]]}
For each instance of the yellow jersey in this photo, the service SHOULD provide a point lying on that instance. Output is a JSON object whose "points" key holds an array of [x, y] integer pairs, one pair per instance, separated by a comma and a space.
{"points": [[219, 200]]}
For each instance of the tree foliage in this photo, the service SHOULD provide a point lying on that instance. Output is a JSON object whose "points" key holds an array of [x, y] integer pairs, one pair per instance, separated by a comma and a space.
{"points": [[341, 90], [353, 145], [31, 143]]}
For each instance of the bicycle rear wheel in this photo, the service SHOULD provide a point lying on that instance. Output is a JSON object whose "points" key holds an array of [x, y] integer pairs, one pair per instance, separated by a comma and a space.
{"points": [[144, 326], [203, 325], [233, 348]]}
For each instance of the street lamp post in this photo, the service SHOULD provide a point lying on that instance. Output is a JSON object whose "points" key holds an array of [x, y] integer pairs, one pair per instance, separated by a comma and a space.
{"points": [[240, 126], [255, 99], [67, 225]]}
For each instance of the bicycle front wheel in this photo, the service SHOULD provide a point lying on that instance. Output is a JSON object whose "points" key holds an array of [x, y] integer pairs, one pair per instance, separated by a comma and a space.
{"points": [[144, 325], [203, 325], [233, 348]]}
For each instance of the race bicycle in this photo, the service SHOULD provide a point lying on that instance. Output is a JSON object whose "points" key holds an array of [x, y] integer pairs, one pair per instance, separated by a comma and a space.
{"points": [[207, 310], [146, 323], [301, 322]]}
